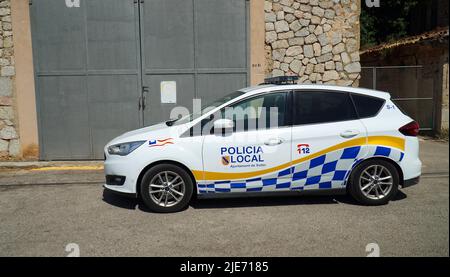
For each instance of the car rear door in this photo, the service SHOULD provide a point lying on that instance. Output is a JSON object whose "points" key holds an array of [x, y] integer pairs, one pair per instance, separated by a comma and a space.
{"points": [[327, 139]]}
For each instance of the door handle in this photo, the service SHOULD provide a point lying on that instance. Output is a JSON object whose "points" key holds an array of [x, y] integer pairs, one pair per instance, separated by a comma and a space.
{"points": [[145, 90], [273, 142], [349, 133]]}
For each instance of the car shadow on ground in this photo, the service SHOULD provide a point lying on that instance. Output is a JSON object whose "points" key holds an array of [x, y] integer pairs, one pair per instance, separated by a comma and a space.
{"points": [[120, 201], [242, 202], [263, 201]]}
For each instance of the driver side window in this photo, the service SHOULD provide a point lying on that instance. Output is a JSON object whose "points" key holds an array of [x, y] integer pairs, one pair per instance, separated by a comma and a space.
{"points": [[266, 111], [260, 112]]}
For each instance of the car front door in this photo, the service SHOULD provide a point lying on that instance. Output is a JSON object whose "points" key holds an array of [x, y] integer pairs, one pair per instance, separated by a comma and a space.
{"points": [[327, 139], [253, 156]]}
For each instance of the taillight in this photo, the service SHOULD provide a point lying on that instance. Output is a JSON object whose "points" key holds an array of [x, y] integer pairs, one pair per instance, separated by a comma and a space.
{"points": [[410, 129]]}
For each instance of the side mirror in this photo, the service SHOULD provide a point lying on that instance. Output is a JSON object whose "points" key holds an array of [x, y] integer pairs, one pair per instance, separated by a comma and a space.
{"points": [[223, 124]]}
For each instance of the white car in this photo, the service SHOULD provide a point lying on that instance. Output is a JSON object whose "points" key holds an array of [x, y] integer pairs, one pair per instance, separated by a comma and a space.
{"points": [[323, 139]]}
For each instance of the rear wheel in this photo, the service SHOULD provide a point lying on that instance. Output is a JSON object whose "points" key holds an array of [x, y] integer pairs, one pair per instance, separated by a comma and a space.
{"points": [[374, 182], [166, 188]]}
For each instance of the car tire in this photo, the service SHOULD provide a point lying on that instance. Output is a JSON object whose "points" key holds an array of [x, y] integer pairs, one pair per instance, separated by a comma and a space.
{"points": [[163, 196], [374, 182]]}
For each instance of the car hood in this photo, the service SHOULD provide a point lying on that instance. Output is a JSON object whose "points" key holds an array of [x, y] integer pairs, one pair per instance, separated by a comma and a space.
{"points": [[154, 132]]}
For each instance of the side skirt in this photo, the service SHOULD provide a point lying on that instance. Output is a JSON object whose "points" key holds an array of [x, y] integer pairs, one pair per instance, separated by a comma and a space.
{"points": [[340, 191]]}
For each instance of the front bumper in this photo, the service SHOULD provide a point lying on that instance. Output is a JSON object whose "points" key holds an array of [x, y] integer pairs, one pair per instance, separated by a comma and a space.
{"points": [[115, 191], [121, 174]]}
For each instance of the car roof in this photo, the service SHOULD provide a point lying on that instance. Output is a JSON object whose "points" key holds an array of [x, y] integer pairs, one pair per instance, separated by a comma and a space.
{"points": [[267, 88], [255, 90]]}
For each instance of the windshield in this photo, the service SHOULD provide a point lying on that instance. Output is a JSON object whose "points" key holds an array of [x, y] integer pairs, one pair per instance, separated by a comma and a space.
{"points": [[205, 108]]}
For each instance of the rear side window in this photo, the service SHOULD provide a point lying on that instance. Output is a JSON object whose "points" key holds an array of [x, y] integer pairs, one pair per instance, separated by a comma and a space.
{"points": [[322, 107], [367, 106]]}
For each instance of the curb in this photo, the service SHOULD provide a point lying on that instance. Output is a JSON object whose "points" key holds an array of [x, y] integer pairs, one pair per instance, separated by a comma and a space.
{"points": [[65, 168], [52, 166]]}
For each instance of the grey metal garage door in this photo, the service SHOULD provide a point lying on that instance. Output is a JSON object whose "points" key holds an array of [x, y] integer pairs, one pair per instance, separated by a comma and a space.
{"points": [[99, 66]]}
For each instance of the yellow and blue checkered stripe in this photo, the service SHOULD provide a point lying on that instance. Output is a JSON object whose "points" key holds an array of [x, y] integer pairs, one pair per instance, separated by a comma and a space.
{"points": [[327, 171]]}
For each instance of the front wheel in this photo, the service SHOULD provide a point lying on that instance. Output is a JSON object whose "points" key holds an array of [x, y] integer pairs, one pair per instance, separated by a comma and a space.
{"points": [[166, 188], [374, 182]]}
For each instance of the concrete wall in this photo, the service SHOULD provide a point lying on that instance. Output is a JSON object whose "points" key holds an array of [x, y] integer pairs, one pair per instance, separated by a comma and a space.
{"points": [[257, 37], [444, 124]]}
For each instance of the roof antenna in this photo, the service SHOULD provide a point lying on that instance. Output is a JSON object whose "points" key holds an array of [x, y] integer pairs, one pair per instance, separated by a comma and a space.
{"points": [[359, 74]]}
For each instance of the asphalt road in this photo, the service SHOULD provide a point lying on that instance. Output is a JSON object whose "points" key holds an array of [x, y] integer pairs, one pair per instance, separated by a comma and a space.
{"points": [[42, 212]]}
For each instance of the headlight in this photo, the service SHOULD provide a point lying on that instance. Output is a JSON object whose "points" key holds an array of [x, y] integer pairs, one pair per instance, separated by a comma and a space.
{"points": [[124, 149]]}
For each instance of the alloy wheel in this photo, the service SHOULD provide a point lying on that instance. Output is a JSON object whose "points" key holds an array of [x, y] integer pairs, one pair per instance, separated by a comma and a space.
{"points": [[376, 182], [167, 189]]}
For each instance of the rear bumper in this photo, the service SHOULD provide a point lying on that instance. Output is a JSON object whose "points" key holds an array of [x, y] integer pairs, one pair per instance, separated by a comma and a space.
{"points": [[411, 182]]}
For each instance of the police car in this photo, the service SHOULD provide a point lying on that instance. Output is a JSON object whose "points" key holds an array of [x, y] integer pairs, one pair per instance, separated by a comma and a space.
{"points": [[273, 138]]}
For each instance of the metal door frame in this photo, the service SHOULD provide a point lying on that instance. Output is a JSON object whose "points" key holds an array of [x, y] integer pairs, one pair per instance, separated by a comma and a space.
{"points": [[85, 72], [194, 71], [140, 50]]}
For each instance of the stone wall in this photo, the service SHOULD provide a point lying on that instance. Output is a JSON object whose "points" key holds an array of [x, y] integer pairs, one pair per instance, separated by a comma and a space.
{"points": [[318, 40], [9, 143]]}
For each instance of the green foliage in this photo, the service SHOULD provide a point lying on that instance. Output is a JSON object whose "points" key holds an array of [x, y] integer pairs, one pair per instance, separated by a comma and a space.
{"points": [[389, 22]]}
